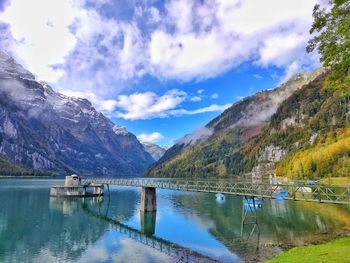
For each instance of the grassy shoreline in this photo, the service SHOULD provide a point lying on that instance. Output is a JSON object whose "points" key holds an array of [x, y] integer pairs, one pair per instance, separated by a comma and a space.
{"points": [[336, 251]]}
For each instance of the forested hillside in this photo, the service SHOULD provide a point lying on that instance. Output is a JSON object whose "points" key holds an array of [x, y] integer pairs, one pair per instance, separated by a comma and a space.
{"points": [[308, 132]]}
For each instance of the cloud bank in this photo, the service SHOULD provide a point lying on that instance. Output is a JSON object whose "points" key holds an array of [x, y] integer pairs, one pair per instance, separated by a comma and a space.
{"points": [[149, 105], [102, 48]]}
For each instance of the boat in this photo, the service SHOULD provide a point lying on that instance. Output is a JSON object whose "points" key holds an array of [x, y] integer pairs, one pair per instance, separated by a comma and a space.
{"points": [[220, 196], [304, 189], [312, 182], [281, 193], [257, 202], [73, 187]]}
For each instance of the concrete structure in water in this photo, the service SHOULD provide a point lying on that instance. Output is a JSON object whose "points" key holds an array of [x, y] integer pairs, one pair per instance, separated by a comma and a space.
{"points": [[73, 187], [148, 199]]}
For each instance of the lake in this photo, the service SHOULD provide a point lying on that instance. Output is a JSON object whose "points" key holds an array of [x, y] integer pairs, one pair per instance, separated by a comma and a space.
{"points": [[37, 228]]}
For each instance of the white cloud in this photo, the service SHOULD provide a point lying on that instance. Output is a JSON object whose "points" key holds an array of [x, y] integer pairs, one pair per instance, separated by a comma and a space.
{"points": [[149, 105], [40, 29], [150, 137], [195, 98], [82, 50], [257, 76], [234, 32], [211, 108], [200, 91], [214, 96]]}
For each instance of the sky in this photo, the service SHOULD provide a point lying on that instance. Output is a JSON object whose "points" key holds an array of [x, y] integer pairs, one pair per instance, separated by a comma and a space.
{"points": [[162, 69]]}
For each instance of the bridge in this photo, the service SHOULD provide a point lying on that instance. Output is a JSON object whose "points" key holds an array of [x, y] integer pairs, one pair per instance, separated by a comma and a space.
{"points": [[297, 192]]}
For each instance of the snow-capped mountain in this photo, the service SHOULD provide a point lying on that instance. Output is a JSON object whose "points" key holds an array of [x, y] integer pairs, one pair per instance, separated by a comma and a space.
{"points": [[45, 130]]}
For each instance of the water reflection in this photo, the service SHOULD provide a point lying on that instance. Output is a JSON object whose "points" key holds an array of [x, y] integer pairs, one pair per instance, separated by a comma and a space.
{"points": [[35, 228], [30, 228], [277, 225], [145, 236], [148, 223]]}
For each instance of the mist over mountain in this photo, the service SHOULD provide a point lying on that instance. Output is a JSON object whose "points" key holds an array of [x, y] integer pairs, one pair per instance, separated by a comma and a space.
{"points": [[43, 130], [266, 131]]}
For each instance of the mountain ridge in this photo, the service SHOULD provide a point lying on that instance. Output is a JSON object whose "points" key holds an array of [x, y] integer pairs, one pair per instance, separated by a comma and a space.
{"points": [[44, 130], [154, 150], [239, 145]]}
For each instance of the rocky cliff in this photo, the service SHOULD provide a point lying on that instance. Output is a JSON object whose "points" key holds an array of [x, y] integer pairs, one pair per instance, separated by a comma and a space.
{"points": [[48, 131]]}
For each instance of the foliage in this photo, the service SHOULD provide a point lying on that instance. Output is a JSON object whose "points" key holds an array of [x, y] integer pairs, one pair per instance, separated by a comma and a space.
{"points": [[9, 168], [331, 158], [333, 42], [334, 251], [316, 112], [218, 157]]}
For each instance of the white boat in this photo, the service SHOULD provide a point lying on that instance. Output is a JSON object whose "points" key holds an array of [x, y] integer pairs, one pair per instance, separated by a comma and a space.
{"points": [[304, 189]]}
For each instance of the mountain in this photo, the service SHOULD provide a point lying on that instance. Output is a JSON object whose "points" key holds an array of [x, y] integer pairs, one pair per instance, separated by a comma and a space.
{"points": [[43, 130], [154, 150], [280, 129]]}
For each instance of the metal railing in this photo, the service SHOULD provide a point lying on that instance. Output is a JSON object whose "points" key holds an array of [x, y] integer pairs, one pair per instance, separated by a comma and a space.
{"points": [[297, 192]]}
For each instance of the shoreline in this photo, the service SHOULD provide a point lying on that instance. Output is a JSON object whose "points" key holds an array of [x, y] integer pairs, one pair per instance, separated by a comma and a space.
{"points": [[331, 251], [27, 177]]}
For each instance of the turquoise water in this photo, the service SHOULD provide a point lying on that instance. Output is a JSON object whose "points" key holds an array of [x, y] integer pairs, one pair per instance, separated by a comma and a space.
{"points": [[37, 228]]}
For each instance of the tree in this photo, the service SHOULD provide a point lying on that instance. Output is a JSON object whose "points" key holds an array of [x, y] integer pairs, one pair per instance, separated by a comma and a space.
{"points": [[332, 40]]}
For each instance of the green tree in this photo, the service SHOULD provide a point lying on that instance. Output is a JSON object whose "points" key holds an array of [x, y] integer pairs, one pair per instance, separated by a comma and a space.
{"points": [[332, 40]]}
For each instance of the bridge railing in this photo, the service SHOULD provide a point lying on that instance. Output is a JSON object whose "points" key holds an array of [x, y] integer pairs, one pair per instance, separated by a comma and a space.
{"points": [[304, 192]]}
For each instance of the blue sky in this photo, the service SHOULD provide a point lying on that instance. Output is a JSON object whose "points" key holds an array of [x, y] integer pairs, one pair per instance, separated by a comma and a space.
{"points": [[160, 68]]}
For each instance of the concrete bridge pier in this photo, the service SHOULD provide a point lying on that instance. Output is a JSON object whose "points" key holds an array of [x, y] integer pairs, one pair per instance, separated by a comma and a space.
{"points": [[148, 199]]}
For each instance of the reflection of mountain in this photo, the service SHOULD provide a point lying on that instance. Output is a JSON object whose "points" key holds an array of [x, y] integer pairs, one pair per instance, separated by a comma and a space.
{"points": [[28, 230], [281, 224], [32, 225]]}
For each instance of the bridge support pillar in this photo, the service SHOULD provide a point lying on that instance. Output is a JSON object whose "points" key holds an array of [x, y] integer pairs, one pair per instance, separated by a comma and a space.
{"points": [[148, 199]]}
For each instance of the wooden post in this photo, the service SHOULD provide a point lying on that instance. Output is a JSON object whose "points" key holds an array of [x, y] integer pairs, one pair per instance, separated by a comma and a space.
{"points": [[148, 199]]}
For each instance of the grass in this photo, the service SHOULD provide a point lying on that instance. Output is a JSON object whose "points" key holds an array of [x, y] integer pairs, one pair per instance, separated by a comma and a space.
{"points": [[337, 251]]}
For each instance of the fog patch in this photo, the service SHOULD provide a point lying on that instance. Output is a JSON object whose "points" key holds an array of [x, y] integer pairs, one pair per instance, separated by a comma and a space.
{"points": [[201, 134], [33, 104]]}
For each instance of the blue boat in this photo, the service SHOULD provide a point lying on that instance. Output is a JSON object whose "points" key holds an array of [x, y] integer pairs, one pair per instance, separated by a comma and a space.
{"points": [[220, 196], [250, 203], [281, 193]]}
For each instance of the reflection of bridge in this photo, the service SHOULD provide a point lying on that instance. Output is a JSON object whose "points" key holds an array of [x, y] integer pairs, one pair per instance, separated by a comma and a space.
{"points": [[303, 192], [182, 254]]}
